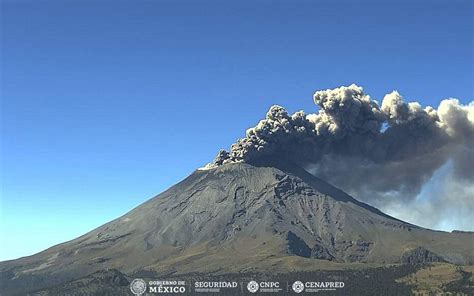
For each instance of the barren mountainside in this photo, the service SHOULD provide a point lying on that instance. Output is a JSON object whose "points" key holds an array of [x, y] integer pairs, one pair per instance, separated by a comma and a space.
{"points": [[237, 218]]}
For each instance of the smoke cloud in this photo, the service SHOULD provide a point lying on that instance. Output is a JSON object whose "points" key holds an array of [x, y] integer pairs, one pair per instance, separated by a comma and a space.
{"points": [[384, 154]]}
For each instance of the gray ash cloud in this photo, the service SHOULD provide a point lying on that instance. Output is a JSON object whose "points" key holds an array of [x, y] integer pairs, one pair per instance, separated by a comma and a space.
{"points": [[380, 153]]}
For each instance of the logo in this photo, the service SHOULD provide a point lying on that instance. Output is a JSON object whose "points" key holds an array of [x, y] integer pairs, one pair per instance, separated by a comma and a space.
{"points": [[138, 287], [298, 287], [252, 286]]}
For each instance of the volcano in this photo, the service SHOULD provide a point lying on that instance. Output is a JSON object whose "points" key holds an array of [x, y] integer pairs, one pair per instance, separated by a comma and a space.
{"points": [[241, 217]]}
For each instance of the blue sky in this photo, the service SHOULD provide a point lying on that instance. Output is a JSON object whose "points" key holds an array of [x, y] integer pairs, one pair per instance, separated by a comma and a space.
{"points": [[107, 103]]}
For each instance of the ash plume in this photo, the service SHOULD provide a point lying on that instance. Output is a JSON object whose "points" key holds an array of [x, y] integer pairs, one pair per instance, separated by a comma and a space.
{"points": [[381, 153]]}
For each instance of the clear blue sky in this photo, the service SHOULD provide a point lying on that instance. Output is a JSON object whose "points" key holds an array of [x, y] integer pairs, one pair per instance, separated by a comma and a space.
{"points": [[107, 103]]}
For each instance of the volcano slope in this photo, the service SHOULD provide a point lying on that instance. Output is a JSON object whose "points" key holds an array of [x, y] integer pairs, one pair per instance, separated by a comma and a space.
{"points": [[239, 218]]}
